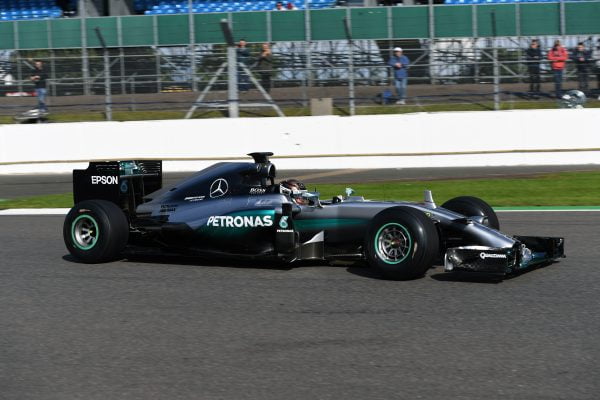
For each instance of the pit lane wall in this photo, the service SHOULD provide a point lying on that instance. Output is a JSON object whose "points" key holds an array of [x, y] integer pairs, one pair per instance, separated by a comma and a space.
{"points": [[452, 139]]}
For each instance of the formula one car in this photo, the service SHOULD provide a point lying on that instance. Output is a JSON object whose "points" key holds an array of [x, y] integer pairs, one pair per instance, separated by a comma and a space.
{"points": [[236, 209]]}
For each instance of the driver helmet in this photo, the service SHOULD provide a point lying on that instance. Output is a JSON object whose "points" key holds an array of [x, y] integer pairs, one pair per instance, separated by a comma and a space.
{"points": [[294, 189]]}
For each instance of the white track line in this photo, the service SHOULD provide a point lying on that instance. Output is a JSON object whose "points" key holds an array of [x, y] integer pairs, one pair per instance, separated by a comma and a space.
{"points": [[35, 211]]}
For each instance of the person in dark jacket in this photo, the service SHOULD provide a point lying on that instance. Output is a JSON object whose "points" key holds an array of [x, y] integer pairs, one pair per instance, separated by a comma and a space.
{"points": [[243, 54], [596, 58], [38, 77], [264, 65], [534, 57], [399, 64], [582, 58]]}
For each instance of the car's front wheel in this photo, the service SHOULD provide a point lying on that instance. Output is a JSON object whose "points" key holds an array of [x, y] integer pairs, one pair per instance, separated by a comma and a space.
{"points": [[96, 231], [470, 206], [402, 243]]}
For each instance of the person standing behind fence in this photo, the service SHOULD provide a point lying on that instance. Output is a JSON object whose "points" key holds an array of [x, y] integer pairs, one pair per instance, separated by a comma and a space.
{"points": [[582, 57], [534, 57], [264, 65], [596, 58], [38, 78], [558, 57], [242, 58], [399, 64]]}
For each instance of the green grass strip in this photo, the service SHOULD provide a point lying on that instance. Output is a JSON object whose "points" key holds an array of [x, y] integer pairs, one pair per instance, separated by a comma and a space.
{"points": [[569, 189]]}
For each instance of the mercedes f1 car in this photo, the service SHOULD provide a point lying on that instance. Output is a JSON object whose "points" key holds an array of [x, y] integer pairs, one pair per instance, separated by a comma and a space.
{"points": [[236, 209]]}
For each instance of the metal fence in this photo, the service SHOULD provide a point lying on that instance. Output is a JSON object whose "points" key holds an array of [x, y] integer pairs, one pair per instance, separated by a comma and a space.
{"points": [[486, 71]]}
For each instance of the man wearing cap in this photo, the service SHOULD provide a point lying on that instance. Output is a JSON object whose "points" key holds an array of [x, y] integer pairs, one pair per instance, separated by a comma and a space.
{"points": [[399, 64]]}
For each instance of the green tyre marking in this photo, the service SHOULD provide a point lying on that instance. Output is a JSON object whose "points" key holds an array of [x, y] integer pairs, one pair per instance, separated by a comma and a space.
{"points": [[95, 239], [381, 257]]}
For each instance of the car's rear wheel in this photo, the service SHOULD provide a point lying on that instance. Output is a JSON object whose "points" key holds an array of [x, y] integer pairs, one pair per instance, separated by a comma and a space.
{"points": [[96, 231], [470, 206], [401, 243]]}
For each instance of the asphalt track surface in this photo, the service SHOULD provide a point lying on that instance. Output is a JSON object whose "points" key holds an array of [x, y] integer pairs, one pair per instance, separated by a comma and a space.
{"points": [[20, 185], [191, 330]]}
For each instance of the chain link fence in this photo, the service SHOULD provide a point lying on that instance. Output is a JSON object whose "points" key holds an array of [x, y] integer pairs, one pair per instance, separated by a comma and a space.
{"points": [[465, 71]]}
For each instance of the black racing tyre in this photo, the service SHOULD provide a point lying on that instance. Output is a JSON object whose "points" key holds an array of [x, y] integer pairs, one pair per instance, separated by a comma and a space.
{"points": [[96, 231], [402, 243], [470, 206]]}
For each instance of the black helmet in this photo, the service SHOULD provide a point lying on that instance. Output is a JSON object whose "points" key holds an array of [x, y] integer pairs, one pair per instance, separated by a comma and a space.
{"points": [[293, 188]]}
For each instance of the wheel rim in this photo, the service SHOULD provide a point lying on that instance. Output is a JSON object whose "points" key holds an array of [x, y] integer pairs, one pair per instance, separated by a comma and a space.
{"points": [[85, 232], [392, 243]]}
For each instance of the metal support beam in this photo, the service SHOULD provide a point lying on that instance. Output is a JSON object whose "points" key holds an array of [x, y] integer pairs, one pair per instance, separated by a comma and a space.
{"points": [[308, 34], [351, 94], [107, 80], [85, 66], [192, 45], [496, 65], [232, 83]]}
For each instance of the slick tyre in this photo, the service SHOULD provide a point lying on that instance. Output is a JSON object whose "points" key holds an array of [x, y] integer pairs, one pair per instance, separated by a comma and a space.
{"points": [[401, 243], [96, 231], [472, 206]]}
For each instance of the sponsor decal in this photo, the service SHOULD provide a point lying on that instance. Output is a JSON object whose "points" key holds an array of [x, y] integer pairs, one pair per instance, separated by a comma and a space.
{"points": [[239, 221], [218, 188], [285, 231], [167, 208], [263, 202], [257, 190], [483, 256], [194, 198], [104, 180], [283, 222]]}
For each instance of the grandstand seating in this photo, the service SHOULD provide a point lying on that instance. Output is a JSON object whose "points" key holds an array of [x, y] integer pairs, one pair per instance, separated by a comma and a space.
{"points": [[463, 2], [153, 7], [12, 10]]}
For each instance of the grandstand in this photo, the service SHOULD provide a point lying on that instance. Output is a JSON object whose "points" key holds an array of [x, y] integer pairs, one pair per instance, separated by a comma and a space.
{"points": [[16, 10], [155, 7], [13, 10]]}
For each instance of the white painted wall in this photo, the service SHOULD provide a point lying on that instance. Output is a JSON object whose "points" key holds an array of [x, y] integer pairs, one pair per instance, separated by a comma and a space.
{"points": [[394, 140]]}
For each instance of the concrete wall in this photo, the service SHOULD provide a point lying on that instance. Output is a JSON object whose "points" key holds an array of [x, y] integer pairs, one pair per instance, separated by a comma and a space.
{"points": [[383, 141]]}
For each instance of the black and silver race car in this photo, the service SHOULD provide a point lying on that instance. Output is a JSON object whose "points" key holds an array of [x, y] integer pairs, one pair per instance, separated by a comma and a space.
{"points": [[236, 209]]}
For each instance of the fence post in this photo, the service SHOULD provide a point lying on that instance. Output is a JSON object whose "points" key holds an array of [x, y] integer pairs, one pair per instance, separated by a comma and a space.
{"points": [[232, 71], [122, 71], [431, 18], [496, 65], [308, 34], [19, 70], [85, 62], [107, 88], [192, 45], [348, 30]]}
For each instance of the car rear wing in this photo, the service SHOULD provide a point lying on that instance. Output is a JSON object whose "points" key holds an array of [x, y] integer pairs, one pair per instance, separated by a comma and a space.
{"points": [[124, 183]]}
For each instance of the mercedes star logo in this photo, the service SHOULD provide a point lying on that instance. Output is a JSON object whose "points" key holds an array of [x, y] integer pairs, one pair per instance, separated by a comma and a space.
{"points": [[218, 188]]}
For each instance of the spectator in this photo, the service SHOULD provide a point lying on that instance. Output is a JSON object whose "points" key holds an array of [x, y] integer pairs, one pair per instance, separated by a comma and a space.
{"points": [[38, 78], [400, 63], [264, 65], [279, 6], [534, 57], [290, 6], [558, 56], [596, 57], [242, 58], [582, 57]]}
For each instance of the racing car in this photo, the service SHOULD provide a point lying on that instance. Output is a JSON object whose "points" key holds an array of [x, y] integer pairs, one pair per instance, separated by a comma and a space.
{"points": [[238, 210]]}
